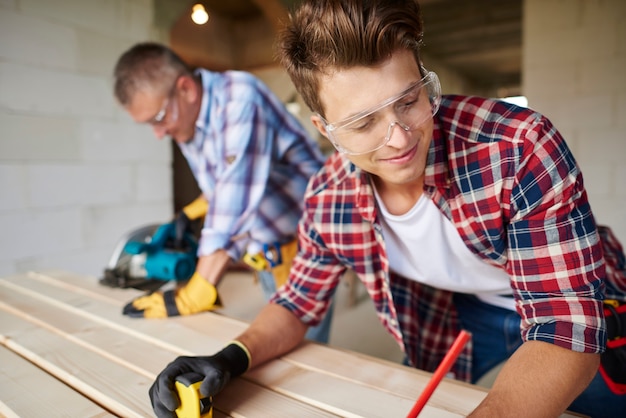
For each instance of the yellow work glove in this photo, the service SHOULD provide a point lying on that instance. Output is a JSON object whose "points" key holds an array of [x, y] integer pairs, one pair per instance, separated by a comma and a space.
{"points": [[196, 209], [183, 220], [197, 295]]}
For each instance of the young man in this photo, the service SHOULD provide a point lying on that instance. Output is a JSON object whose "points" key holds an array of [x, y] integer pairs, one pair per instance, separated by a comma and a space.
{"points": [[456, 212], [251, 158]]}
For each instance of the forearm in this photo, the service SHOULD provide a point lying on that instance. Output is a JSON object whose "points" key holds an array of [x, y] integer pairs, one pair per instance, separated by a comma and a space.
{"points": [[213, 266], [274, 332], [539, 380]]}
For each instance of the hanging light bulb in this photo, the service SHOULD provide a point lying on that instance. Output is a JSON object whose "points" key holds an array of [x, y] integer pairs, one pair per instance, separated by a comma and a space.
{"points": [[199, 14]]}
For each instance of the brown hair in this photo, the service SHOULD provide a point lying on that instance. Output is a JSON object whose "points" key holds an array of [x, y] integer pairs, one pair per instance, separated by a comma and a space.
{"points": [[326, 35], [146, 66]]}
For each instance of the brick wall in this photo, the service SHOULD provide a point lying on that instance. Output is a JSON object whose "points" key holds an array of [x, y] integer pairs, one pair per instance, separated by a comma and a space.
{"points": [[75, 172], [574, 58]]}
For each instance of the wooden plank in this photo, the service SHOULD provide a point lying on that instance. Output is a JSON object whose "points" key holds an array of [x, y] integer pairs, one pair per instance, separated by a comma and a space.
{"points": [[77, 330], [451, 395], [305, 374], [338, 395], [47, 291], [316, 372], [241, 398], [66, 333], [111, 384], [221, 327], [119, 389], [88, 304], [338, 365], [29, 391]]}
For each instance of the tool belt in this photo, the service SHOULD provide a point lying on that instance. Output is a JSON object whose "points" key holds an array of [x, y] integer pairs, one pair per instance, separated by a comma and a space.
{"points": [[613, 360], [276, 258]]}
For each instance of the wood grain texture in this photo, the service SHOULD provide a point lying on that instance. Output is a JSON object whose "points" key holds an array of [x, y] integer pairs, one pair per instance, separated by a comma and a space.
{"points": [[113, 365], [72, 328], [28, 390]]}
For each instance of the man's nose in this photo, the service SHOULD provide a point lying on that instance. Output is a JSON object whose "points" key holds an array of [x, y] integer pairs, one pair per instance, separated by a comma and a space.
{"points": [[397, 131]]}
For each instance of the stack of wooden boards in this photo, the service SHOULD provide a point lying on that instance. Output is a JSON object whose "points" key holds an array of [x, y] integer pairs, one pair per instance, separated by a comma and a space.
{"points": [[68, 351]]}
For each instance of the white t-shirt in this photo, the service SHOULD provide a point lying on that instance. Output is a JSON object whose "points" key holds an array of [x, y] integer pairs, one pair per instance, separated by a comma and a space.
{"points": [[424, 246]]}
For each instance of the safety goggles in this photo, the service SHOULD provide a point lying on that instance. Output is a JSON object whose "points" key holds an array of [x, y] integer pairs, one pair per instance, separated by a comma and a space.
{"points": [[371, 129], [168, 112]]}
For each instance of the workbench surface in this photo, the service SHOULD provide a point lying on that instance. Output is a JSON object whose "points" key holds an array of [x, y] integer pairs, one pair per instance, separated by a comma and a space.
{"points": [[67, 351]]}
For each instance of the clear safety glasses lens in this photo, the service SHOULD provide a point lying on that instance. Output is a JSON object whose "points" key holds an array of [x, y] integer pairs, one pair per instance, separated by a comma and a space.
{"points": [[168, 112], [371, 129]]}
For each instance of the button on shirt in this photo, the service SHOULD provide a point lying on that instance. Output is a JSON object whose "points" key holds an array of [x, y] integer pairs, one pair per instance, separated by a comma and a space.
{"points": [[506, 180], [252, 160]]}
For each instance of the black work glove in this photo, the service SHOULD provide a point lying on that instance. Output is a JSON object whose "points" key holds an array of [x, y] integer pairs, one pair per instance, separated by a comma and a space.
{"points": [[217, 370], [182, 224]]}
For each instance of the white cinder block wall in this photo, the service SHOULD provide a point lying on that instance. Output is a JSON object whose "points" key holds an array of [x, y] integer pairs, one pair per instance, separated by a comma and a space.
{"points": [[574, 71], [75, 172]]}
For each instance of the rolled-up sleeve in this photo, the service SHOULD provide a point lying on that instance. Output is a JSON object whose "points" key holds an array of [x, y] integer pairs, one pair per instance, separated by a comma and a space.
{"points": [[555, 256]]}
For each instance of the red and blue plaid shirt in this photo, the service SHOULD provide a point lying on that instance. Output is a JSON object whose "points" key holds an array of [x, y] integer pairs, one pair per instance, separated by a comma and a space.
{"points": [[506, 180]]}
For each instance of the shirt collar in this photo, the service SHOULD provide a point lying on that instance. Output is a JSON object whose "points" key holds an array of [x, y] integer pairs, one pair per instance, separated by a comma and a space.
{"points": [[437, 171]]}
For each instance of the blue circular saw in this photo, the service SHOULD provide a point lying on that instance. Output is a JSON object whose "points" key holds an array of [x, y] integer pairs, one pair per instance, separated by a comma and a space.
{"points": [[150, 256]]}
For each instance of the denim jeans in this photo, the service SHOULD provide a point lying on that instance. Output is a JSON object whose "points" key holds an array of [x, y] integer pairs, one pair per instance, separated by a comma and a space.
{"points": [[319, 333], [496, 335]]}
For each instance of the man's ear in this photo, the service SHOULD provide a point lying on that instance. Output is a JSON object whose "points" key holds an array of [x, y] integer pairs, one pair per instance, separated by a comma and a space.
{"points": [[187, 87], [317, 121]]}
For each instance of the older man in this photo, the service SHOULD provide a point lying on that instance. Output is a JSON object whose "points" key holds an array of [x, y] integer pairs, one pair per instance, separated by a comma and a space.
{"points": [[251, 158]]}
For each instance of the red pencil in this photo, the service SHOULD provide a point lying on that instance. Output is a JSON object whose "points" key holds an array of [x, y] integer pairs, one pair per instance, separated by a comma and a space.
{"points": [[441, 371]]}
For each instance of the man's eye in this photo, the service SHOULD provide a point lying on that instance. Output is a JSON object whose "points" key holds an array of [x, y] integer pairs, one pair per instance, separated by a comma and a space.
{"points": [[409, 103], [411, 99], [362, 125]]}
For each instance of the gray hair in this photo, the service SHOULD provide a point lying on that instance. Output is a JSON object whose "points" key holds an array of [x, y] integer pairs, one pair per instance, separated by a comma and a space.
{"points": [[146, 66]]}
